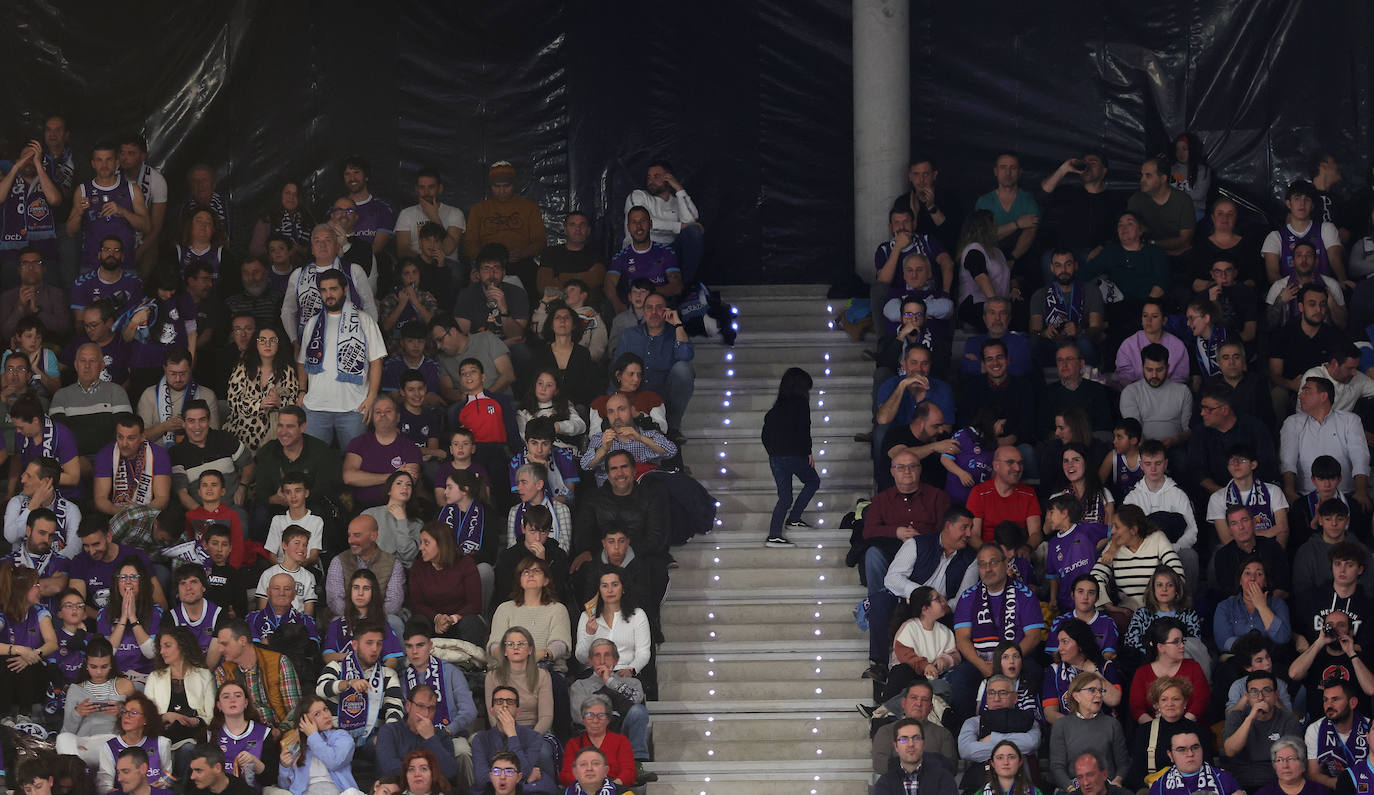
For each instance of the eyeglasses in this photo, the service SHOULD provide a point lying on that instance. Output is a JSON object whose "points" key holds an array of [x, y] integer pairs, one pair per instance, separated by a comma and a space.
{"points": [[509, 702], [425, 707], [75, 605], [134, 712], [111, 250], [504, 772], [96, 324], [910, 738], [1188, 749], [1286, 760], [1174, 642], [914, 314], [1260, 691], [595, 716], [1097, 690], [343, 211], [516, 644], [1209, 409], [905, 467], [1000, 693], [268, 340], [30, 263], [130, 577]]}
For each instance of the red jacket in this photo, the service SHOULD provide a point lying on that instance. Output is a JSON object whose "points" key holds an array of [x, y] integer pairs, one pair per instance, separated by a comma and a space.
{"points": [[618, 753]]}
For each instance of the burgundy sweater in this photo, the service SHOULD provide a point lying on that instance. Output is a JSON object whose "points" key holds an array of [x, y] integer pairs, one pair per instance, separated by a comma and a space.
{"points": [[457, 589]]}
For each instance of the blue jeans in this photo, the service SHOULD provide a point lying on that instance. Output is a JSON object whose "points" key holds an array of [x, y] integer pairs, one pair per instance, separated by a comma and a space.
{"points": [[785, 467], [690, 246], [326, 425], [636, 727], [675, 386]]}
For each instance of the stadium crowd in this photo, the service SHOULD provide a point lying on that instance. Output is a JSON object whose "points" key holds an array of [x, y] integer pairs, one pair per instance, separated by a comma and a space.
{"points": [[368, 500], [1120, 538]]}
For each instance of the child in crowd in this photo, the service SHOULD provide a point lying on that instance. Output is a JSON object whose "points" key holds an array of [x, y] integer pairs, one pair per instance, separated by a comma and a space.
{"points": [[1265, 500], [419, 420], [787, 439], [1073, 548], [1121, 470], [295, 489], [461, 447], [213, 510], [1084, 595], [295, 547], [558, 461]]}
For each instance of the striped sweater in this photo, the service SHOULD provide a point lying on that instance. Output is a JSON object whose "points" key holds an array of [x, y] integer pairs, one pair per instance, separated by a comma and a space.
{"points": [[1131, 571]]}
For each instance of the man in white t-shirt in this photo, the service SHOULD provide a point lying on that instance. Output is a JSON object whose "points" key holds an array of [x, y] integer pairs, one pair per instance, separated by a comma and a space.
{"points": [[428, 189], [1299, 225], [302, 300], [340, 364], [133, 161]]}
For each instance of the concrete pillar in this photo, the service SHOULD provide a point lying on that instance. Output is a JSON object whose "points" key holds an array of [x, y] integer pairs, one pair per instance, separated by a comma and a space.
{"points": [[882, 119]]}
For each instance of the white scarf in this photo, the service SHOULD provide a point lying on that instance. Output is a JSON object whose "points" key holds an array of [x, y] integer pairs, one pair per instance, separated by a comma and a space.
{"points": [[350, 348], [142, 491], [1206, 780]]}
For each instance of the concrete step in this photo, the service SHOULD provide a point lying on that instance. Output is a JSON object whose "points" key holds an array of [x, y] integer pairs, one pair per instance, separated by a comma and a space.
{"points": [[746, 750], [782, 781], [761, 400], [737, 451], [744, 292], [715, 483], [734, 555], [851, 471], [798, 633], [769, 383], [756, 727], [758, 577], [805, 349], [707, 418], [839, 591], [800, 671], [854, 690], [711, 367], [760, 499]]}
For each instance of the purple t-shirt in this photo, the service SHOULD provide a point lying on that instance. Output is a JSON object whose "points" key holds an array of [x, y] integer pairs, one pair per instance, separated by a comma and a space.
{"points": [[127, 656], [975, 458], [116, 355], [60, 443], [1070, 554], [338, 638], [374, 215], [1102, 625], [204, 629], [27, 632], [100, 576], [71, 652], [103, 464], [654, 265], [394, 367], [420, 428], [380, 459], [98, 225], [985, 615], [89, 288]]}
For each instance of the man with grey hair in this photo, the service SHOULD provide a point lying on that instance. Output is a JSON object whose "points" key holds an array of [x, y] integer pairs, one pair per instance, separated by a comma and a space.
{"points": [[303, 299], [997, 317], [999, 720], [623, 697], [918, 703]]}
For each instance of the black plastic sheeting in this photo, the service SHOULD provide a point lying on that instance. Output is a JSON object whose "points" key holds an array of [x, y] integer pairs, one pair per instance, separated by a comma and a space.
{"points": [[750, 100]]}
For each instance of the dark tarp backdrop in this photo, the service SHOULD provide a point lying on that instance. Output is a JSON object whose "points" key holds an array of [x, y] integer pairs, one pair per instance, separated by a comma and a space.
{"points": [[750, 100]]}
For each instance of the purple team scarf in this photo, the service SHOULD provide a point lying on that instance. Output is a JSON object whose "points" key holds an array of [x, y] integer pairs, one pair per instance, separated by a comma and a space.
{"points": [[434, 677], [1058, 311], [1257, 500], [467, 526], [350, 355], [352, 712]]}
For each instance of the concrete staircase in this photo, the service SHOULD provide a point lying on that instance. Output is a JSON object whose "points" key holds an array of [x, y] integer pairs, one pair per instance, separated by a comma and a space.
{"points": [[761, 671]]}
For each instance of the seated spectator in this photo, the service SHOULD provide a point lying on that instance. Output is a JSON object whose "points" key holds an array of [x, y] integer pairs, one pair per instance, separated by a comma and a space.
{"points": [[1007, 770], [1285, 299], [917, 703], [1150, 745], [1087, 728], [1237, 301], [1074, 545], [94, 703], [1189, 772], [454, 712], [294, 450], [546, 399], [1164, 407], [1074, 391], [207, 449], [1014, 397], [445, 587], [1265, 502], [464, 500], [208, 771], [1250, 653], [409, 302], [627, 372], [617, 617], [36, 435], [903, 246], [1332, 654], [131, 620], [1245, 740], [319, 747], [534, 540], [364, 606], [279, 612], [1246, 543], [398, 520], [995, 608], [484, 415], [941, 560], [294, 552], [1084, 608], [1166, 658], [560, 466], [983, 269], [373, 458], [574, 260], [1302, 225], [410, 355], [89, 406], [35, 296], [268, 677], [1008, 661], [421, 419], [1167, 213], [1336, 743], [1130, 366], [193, 611], [534, 608], [622, 432], [563, 353], [295, 488], [642, 258], [923, 648], [908, 736], [1066, 312], [907, 509], [1254, 609], [1120, 469], [896, 398], [181, 687], [139, 727], [362, 711], [919, 316], [507, 745], [363, 552], [625, 695], [1348, 563], [998, 721], [1076, 652], [38, 485], [1343, 371], [596, 714], [1320, 429], [259, 386], [1299, 346], [1288, 756], [212, 510], [1078, 480], [1203, 321], [513, 669], [997, 318], [1005, 499], [416, 749], [461, 445], [1250, 389], [1135, 550], [532, 488], [1167, 595], [98, 323], [672, 375], [1223, 430], [1135, 269]]}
